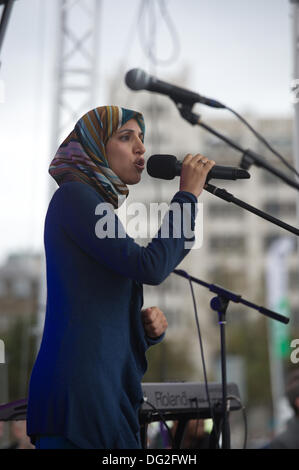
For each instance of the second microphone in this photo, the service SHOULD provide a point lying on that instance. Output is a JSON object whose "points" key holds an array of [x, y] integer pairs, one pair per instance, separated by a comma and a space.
{"points": [[168, 166]]}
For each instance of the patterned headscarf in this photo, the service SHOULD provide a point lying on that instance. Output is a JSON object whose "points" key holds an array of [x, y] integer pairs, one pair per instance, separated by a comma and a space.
{"points": [[82, 155]]}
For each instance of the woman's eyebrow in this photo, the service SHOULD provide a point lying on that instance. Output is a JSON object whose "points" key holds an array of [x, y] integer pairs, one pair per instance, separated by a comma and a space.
{"points": [[129, 130]]}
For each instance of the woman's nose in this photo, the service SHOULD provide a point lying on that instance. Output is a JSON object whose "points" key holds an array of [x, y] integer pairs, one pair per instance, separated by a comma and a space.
{"points": [[140, 148]]}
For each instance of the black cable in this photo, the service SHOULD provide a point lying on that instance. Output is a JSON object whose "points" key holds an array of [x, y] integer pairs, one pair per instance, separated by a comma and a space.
{"points": [[147, 42], [128, 43], [145, 399], [197, 422], [203, 361], [141, 29], [175, 37], [233, 397], [264, 141]]}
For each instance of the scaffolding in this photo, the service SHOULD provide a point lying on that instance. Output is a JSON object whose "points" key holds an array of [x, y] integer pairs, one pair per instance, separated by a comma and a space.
{"points": [[76, 68]]}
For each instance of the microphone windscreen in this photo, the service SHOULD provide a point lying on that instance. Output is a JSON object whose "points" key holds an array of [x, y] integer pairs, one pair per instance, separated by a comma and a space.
{"points": [[162, 166], [136, 79]]}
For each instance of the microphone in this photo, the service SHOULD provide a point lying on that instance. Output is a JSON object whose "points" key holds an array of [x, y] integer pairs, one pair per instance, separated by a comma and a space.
{"points": [[138, 79], [168, 166]]}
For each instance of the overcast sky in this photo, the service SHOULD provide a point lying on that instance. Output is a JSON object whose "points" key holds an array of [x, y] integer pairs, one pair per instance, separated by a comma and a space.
{"points": [[238, 51]]}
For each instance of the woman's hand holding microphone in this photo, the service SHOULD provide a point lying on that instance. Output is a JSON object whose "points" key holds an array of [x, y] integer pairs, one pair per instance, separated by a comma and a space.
{"points": [[194, 173]]}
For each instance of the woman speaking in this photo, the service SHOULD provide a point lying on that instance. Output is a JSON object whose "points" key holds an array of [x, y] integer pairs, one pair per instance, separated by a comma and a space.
{"points": [[85, 387]]}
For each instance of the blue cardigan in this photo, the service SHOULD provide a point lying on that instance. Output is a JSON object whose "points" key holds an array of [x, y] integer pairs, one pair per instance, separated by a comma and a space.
{"points": [[86, 381]]}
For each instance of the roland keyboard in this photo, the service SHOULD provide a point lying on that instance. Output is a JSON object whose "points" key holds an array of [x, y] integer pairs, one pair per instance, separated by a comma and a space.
{"points": [[173, 399]]}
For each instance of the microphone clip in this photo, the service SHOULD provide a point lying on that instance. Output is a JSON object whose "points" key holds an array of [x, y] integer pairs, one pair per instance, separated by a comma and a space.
{"points": [[186, 112], [246, 160]]}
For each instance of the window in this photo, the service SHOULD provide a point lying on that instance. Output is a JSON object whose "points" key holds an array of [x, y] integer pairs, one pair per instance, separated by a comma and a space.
{"points": [[225, 210], [280, 209], [21, 288], [3, 287], [228, 243]]}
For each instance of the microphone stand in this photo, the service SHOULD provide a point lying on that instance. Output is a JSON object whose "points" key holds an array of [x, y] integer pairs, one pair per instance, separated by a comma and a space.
{"points": [[220, 304], [226, 196], [223, 297], [248, 156]]}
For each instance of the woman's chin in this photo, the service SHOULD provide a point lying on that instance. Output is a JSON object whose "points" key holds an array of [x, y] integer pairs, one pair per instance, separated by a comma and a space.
{"points": [[133, 180]]}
